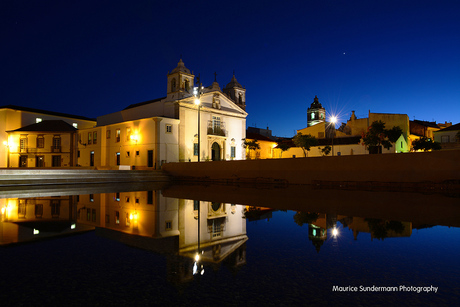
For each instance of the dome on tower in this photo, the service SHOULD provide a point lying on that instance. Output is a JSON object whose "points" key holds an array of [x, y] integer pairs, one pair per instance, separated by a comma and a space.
{"points": [[233, 83], [181, 68], [315, 104]]}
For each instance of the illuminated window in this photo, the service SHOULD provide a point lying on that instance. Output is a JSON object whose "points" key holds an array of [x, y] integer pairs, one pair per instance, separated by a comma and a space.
{"points": [[168, 225], [312, 115], [75, 125], [91, 197], [38, 120], [118, 133], [117, 196], [23, 143], [168, 128], [128, 133]]}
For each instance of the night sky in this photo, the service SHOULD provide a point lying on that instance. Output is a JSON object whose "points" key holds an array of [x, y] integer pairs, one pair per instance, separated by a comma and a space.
{"points": [[92, 58]]}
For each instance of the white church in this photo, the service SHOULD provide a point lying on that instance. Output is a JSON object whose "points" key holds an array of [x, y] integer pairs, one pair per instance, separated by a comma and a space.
{"points": [[183, 126]]}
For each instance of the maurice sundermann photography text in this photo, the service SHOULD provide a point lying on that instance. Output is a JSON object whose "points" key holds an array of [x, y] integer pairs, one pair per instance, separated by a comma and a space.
{"points": [[400, 288]]}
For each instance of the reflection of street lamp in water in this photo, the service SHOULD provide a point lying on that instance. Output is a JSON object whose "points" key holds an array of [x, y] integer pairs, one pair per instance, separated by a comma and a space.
{"points": [[333, 121], [197, 92], [197, 267]]}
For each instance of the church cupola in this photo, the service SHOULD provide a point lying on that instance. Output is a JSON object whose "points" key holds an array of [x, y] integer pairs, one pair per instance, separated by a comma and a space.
{"points": [[316, 113], [180, 81], [236, 92]]}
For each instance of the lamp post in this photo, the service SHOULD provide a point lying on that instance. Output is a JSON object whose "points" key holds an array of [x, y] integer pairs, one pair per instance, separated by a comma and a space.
{"points": [[333, 121], [197, 93]]}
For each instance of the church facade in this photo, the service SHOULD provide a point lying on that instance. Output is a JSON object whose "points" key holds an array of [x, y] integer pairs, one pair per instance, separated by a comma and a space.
{"points": [[171, 129]]}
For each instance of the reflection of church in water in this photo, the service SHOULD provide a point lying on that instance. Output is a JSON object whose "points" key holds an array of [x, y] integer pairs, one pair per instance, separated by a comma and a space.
{"points": [[178, 228], [323, 227]]}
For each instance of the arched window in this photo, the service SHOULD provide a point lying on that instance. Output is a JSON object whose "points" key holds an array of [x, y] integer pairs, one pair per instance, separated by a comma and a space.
{"points": [[173, 85]]}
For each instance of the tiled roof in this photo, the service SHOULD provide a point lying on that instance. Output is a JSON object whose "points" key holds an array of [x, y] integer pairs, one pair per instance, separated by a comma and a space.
{"points": [[13, 107], [48, 126], [143, 103], [257, 136], [450, 128]]}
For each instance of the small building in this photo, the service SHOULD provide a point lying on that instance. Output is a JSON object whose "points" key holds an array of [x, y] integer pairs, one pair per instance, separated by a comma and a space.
{"points": [[49, 143], [14, 120], [266, 144], [448, 137]]}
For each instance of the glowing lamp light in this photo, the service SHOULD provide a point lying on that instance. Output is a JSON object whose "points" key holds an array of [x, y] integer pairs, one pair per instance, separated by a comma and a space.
{"points": [[197, 257], [131, 216], [3, 210], [197, 102], [5, 143], [335, 232], [73, 226], [333, 119], [36, 231]]}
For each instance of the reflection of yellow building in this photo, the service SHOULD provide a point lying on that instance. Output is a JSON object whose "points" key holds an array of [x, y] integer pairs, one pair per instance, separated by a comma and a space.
{"points": [[25, 219]]}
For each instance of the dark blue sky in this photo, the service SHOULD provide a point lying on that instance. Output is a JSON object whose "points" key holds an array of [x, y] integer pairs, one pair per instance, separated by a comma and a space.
{"points": [[96, 57]]}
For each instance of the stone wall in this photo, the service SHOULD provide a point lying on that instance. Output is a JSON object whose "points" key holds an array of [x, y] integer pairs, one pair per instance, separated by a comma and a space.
{"points": [[440, 166]]}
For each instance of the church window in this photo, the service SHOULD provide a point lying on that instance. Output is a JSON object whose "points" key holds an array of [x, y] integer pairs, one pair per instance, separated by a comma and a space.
{"points": [[322, 116], [312, 115], [173, 85], [216, 123], [233, 151], [168, 128]]}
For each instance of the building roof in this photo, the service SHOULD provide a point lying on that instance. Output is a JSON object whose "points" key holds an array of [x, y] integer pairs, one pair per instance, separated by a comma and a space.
{"points": [[450, 128], [425, 123], [18, 108], [143, 103], [257, 136], [47, 126]]}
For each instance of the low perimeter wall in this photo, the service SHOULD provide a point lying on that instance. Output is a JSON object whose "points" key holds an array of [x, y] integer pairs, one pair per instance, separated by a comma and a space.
{"points": [[439, 166]]}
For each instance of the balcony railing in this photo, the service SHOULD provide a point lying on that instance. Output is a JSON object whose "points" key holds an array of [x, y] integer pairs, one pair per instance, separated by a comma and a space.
{"points": [[55, 148], [214, 129]]}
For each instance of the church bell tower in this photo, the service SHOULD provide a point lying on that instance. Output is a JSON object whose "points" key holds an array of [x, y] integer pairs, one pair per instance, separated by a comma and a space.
{"points": [[316, 113]]}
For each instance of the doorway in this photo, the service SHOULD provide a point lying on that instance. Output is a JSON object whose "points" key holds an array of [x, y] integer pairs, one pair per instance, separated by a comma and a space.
{"points": [[39, 161], [215, 152], [91, 159], [150, 158]]}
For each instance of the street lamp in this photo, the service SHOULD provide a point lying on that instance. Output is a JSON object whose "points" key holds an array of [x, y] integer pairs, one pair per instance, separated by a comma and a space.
{"points": [[197, 94], [333, 121]]}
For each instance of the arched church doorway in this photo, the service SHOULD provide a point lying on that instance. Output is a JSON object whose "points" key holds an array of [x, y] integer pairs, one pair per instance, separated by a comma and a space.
{"points": [[215, 152]]}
